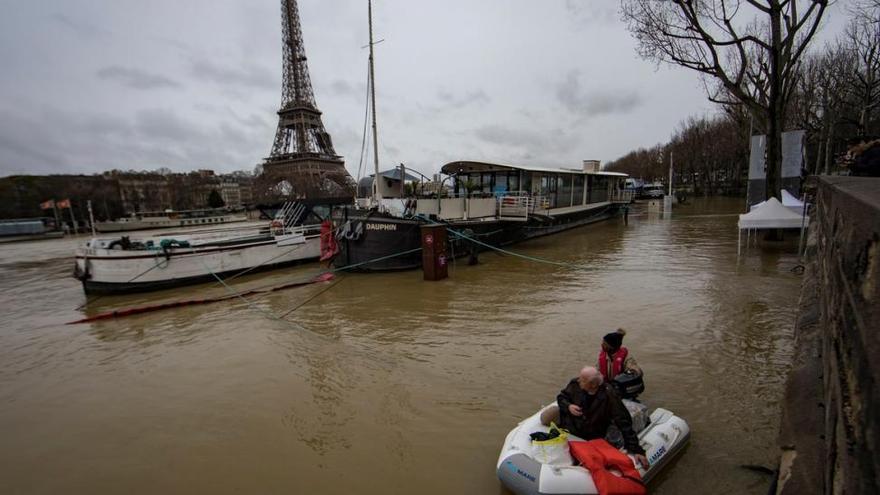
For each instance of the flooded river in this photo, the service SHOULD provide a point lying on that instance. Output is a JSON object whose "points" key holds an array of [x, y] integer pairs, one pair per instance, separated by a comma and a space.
{"points": [[384, 383]]}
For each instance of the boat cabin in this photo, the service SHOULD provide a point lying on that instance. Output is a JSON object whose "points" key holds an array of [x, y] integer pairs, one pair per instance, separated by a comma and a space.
{"points": [[508, 192], [390, 183]]}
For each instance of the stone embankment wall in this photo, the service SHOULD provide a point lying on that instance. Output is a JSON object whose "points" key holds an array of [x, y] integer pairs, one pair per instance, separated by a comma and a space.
{"points": [[831, 419]]}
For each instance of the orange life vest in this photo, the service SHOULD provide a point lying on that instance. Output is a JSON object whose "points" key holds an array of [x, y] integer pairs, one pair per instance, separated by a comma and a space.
{"points": [[616, 365], [599, 456]]}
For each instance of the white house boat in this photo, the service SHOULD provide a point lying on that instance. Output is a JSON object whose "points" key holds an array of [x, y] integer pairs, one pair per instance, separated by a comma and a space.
{"points": [[497, 204], [519, 469], [170, 219], [114, 265]]}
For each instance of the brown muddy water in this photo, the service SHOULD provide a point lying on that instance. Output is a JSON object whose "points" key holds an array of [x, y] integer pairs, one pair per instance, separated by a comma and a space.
{"points": [[385, 383]]}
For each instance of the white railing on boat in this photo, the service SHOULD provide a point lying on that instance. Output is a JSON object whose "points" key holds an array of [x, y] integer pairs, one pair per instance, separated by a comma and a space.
{"points": [[516, 206], [296, 235]]}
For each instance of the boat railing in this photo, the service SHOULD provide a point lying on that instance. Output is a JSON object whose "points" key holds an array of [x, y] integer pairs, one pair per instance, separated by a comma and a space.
{"points": [[295, 235], [287, 217], [518, 206]]}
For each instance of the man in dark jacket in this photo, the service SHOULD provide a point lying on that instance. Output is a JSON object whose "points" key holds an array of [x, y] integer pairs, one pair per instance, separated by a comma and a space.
{"points": [[587, 407]]}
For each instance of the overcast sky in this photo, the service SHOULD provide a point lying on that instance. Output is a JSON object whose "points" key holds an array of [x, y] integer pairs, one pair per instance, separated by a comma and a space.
{"points": [[91, 85]]}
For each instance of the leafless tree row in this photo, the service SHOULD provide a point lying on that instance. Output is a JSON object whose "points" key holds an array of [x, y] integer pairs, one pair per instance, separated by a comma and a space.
{"points": [[709, 155], [757, 67]]}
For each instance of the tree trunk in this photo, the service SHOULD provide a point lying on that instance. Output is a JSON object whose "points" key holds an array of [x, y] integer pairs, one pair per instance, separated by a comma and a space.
{"points": [[828, 154], [775, 115]]}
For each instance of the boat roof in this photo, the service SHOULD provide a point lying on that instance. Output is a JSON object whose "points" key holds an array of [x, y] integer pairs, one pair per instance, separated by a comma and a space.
{"points": [[394, 174], [464, 166]]}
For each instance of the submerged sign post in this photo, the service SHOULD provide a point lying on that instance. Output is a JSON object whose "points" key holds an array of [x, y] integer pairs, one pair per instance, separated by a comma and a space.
{"points": [[434, 261]]}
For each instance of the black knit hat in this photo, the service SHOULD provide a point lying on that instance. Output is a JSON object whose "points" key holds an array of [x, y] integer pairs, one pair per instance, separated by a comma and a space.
{"points": [[615, 338]]}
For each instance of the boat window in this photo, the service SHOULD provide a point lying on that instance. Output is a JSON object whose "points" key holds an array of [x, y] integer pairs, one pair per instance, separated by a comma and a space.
{"points": [[500, 184], [513, 182], [475, 180], [578, 190], [548, 190], [487, 182], [599, 189], [563, 191]]}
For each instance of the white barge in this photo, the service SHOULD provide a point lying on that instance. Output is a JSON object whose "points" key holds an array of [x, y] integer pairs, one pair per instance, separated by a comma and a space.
{"points": [[117, 265], [170, 219]]}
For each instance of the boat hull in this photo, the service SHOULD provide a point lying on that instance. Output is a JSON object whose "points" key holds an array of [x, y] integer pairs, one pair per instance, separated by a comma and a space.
{"points": [[111, 271], [373, 242], [32, 237]]}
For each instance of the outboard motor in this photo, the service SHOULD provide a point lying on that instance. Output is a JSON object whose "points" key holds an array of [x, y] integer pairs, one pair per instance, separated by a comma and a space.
{"points": [[628, 385]]}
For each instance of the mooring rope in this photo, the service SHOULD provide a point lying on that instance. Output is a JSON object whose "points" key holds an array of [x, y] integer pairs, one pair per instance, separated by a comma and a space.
{"points": [[511, 253], [240, 294]]}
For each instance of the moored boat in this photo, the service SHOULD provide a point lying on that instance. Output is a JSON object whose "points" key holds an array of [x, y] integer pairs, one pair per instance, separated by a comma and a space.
{"points": [[116, 265], [488, 204], [168, 219], [521, 472]]}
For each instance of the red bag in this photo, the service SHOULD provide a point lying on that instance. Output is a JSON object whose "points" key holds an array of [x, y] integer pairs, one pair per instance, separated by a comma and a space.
{"points": [[599, 456]]}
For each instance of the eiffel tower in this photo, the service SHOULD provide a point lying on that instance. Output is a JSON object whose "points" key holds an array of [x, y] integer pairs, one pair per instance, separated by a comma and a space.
{"points": [[302, 153]]}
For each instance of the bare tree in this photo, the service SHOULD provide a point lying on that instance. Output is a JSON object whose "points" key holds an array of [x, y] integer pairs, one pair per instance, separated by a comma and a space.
{"points": [[862, 38], [751, 48]]}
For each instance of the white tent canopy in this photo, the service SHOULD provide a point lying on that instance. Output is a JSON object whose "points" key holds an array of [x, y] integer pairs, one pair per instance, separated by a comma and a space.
{"points": [[771, 214], [788, 200], [792, 203]]}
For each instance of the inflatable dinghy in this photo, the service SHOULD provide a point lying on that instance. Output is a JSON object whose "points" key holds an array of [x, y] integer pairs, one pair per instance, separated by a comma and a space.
{"points": [[522, 473]]}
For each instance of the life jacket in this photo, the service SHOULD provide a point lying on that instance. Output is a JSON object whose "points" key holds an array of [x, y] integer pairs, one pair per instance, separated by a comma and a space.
{"points": [[617, 361], [599, 457]]}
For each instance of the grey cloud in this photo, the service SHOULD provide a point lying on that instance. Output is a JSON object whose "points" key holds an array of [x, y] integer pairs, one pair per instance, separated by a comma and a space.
{"points": [[341, 87], [19, 157], [591, 11], [496, 134], [550, 144], [474, 97], [25, 148], [106, 125], [136, 78], [80, 28], [448, 101], [249, 77], [572, 96], [165, 125]]}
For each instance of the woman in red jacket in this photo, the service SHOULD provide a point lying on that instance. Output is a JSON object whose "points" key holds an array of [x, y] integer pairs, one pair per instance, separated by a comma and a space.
{"points": [[614, 358]]}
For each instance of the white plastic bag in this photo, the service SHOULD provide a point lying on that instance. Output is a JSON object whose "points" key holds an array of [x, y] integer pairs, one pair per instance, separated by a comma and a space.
{"points": [[553, 451]]}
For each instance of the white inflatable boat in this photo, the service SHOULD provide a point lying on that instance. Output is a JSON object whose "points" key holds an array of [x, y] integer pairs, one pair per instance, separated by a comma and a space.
{"points": [[521, 472]]}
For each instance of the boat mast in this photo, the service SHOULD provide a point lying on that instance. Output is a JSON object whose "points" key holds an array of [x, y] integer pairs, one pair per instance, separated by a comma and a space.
{"points": [[377, 198]]}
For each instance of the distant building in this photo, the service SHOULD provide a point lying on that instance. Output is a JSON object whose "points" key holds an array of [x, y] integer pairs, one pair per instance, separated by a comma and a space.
{"points": [[231, 193], [144, 192]]}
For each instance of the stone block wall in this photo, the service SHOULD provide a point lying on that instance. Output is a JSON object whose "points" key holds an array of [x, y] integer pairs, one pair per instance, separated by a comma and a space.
{"points": [[831, 419]]}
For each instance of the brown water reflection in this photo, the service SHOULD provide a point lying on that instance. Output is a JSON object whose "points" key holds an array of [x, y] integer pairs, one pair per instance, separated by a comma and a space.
{"points": [[386, 383]]}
